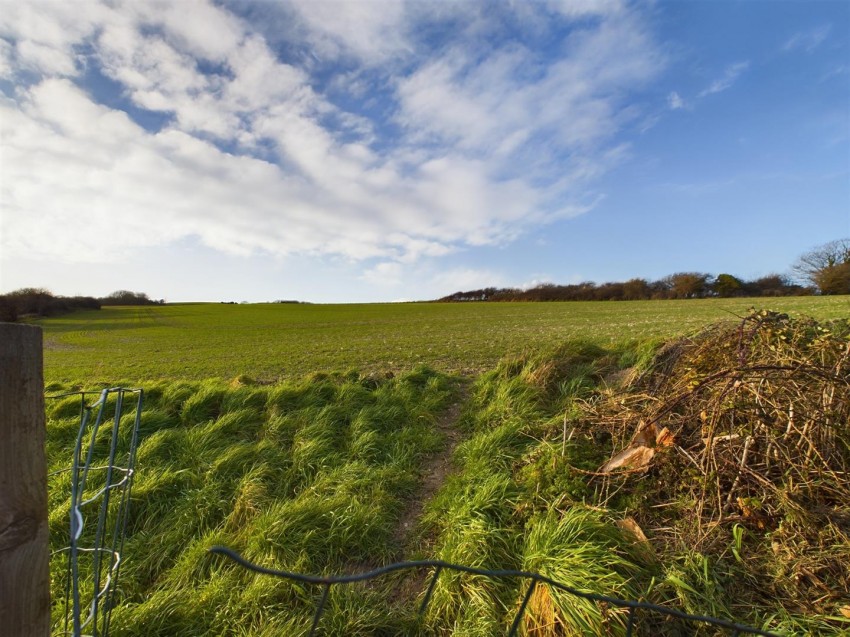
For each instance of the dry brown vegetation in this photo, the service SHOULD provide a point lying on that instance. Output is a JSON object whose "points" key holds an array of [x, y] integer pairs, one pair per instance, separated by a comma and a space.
{"points": [[736, 444]]}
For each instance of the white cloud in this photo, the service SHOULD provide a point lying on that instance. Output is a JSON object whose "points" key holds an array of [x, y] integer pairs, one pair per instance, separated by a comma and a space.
{"points": [[253, 157], [161, 77], [201, 28], [385, 274], [837, 71], [580, 8], [538, 280], [513, 98], [371, 31], [6, 60], [116, 180], [674, 101], [809, 40], [730, 75], [45, 59], [463, 279], [46, 33], [428, 280]]}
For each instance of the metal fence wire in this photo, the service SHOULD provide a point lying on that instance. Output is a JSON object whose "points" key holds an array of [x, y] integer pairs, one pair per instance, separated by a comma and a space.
{"points": [[100, 488], [438, 566]]}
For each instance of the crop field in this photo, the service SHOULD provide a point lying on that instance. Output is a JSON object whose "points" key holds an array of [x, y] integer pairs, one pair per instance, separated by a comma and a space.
{"points": [[270, 342]]}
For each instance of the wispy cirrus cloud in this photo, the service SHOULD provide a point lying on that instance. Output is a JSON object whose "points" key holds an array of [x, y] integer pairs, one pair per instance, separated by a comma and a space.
{"points": [[255, 151], [371, 32], [808, 40], [729, 77], [512, 97]]}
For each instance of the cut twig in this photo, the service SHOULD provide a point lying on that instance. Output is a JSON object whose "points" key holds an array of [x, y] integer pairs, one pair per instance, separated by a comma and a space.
{"points": [[734, 487]]}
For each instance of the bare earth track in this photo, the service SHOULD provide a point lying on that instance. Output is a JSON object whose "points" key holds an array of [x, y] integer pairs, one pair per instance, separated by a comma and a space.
{"points": [[434, 472]]}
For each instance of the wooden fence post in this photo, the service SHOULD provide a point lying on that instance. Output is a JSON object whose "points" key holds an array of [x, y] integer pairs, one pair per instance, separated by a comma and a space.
{"points": [[24, 549]]}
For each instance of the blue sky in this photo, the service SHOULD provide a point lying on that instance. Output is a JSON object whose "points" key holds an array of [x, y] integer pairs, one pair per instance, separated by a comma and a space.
{"points": [[378, 151]]}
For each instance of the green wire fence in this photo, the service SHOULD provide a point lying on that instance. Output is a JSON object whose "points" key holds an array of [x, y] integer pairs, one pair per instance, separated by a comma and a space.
{"points": [[102, 493]]}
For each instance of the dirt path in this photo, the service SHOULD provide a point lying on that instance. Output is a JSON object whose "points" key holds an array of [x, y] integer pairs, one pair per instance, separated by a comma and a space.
{"points": [[434, 473], [405, 586]]}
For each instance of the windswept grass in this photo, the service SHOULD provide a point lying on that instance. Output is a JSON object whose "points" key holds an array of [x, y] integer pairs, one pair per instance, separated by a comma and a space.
{"points": [[582, 549], [312, 475], [309, 476], [491, 513], [526, 496]]}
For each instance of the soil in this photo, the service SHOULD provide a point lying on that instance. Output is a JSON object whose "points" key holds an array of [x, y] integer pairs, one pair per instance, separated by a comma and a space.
{"points": [[434, 472], [405, 586]]}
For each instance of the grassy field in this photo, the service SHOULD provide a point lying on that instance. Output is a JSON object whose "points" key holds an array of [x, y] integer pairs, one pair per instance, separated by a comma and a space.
{"points": [[269, 342], [316, 472]]}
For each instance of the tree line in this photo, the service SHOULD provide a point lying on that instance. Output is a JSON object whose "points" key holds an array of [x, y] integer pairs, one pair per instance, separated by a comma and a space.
{"points": [[824, 270], [682, 285], [41, 302]]}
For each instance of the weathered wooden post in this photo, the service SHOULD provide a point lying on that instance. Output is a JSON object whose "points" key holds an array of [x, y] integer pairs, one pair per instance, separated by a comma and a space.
{"points": [[24, 550]]}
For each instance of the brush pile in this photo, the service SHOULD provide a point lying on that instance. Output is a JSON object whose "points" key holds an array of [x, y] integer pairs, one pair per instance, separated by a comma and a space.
{"points": [[736, 443]]}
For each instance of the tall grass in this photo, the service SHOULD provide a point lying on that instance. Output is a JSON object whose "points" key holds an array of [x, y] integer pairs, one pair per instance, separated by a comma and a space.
{"points": [[582, 549], [309, 476], [313, 475], [491, 514]]}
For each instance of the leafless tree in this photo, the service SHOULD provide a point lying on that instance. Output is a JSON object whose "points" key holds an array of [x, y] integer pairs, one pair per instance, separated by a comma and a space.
{"points": [[827, 267]]}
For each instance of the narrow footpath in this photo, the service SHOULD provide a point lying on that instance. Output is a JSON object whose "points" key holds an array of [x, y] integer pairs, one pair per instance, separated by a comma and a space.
{"points": [[434, 472]]}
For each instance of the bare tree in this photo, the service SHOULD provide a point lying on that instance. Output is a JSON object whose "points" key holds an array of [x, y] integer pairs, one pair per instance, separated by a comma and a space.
{"points": [[827, 267]]}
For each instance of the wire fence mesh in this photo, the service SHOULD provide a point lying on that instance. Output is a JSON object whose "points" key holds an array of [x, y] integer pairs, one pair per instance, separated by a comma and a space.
{"points": [[102, 471], [436, 567]]}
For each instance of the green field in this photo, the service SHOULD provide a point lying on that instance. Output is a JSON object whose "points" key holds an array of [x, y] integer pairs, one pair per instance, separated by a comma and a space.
{"points": [[269, 342], [460, 454]]}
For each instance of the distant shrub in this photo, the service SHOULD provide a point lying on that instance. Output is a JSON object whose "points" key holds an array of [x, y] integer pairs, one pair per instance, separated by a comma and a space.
{"points": [[8, 312], [125, 297], [41, 302]]}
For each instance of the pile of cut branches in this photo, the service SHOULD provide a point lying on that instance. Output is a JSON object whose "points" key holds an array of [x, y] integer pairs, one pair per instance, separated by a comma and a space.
{"points": [[742, 428]]}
